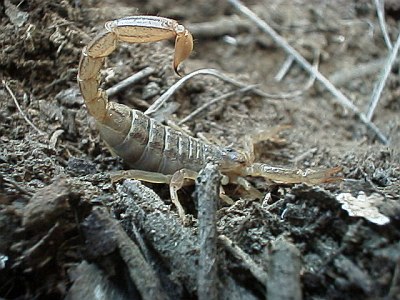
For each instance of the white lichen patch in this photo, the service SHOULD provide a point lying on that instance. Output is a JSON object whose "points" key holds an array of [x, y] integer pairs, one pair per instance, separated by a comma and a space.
{"points": [[363, 206]]}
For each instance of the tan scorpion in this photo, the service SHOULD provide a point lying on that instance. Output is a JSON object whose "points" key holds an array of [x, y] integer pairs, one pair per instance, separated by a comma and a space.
{"points": [[156, 152]]}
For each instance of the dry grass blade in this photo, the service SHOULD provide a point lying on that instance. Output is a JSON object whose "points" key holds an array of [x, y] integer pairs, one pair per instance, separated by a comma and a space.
{"points": [[129, 81], [379, 4], [376, 95], [215, 100], [20, 110], [285, 68], [212, 72], [339, 96], [220, 27]]}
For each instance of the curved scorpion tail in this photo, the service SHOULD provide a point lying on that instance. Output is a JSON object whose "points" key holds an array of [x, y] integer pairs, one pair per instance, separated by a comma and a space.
{"points": [[135, 29]]}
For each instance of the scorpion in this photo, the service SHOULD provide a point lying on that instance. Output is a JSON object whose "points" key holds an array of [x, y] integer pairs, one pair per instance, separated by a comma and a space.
{"points": [[155, 152]]}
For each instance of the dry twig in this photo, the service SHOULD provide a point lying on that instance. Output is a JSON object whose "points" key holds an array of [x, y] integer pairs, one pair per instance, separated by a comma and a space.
{"points": [[207, 190], [244, 258], [339, 96], [285, 68], [164, 97], [17, 186], [226, 25], [20, 110], [379, 4], [129, 81], [215, 100], [376, 94]]}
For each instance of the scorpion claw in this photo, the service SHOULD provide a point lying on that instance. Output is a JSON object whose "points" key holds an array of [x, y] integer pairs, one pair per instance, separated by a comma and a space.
{"points": [[183, 47]]}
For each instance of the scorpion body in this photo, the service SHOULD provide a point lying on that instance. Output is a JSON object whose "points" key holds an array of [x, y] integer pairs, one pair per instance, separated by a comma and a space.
{"points": [[164, 155], [159, 148]]}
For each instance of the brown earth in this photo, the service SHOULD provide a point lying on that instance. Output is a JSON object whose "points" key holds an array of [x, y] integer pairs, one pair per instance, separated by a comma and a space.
{"points": [[56, 198]]}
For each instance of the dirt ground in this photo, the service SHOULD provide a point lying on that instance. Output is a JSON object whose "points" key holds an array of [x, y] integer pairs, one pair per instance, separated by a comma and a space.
{"points": [[67, 231]]}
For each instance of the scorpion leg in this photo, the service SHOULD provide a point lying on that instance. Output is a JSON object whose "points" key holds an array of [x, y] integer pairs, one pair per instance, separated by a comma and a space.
{"points": [[175, 182], [147, 176], [254, 193], [178, 181]]}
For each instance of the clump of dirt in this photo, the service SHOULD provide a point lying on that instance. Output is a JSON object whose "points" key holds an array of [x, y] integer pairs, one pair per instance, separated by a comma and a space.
{"points": [[57, 201]]}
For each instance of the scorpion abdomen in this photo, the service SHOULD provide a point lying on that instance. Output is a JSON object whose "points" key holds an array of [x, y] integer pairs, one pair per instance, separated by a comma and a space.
{"points": [[152, 146]]}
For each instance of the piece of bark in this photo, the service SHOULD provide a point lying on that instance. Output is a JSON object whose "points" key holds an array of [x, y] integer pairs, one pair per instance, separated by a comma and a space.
{"points": [[104, 235], [284, 265], [175, 244], [207, 191]]}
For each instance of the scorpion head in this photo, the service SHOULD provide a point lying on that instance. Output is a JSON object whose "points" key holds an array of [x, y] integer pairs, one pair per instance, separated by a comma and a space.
{"points": [[231, 159]]}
